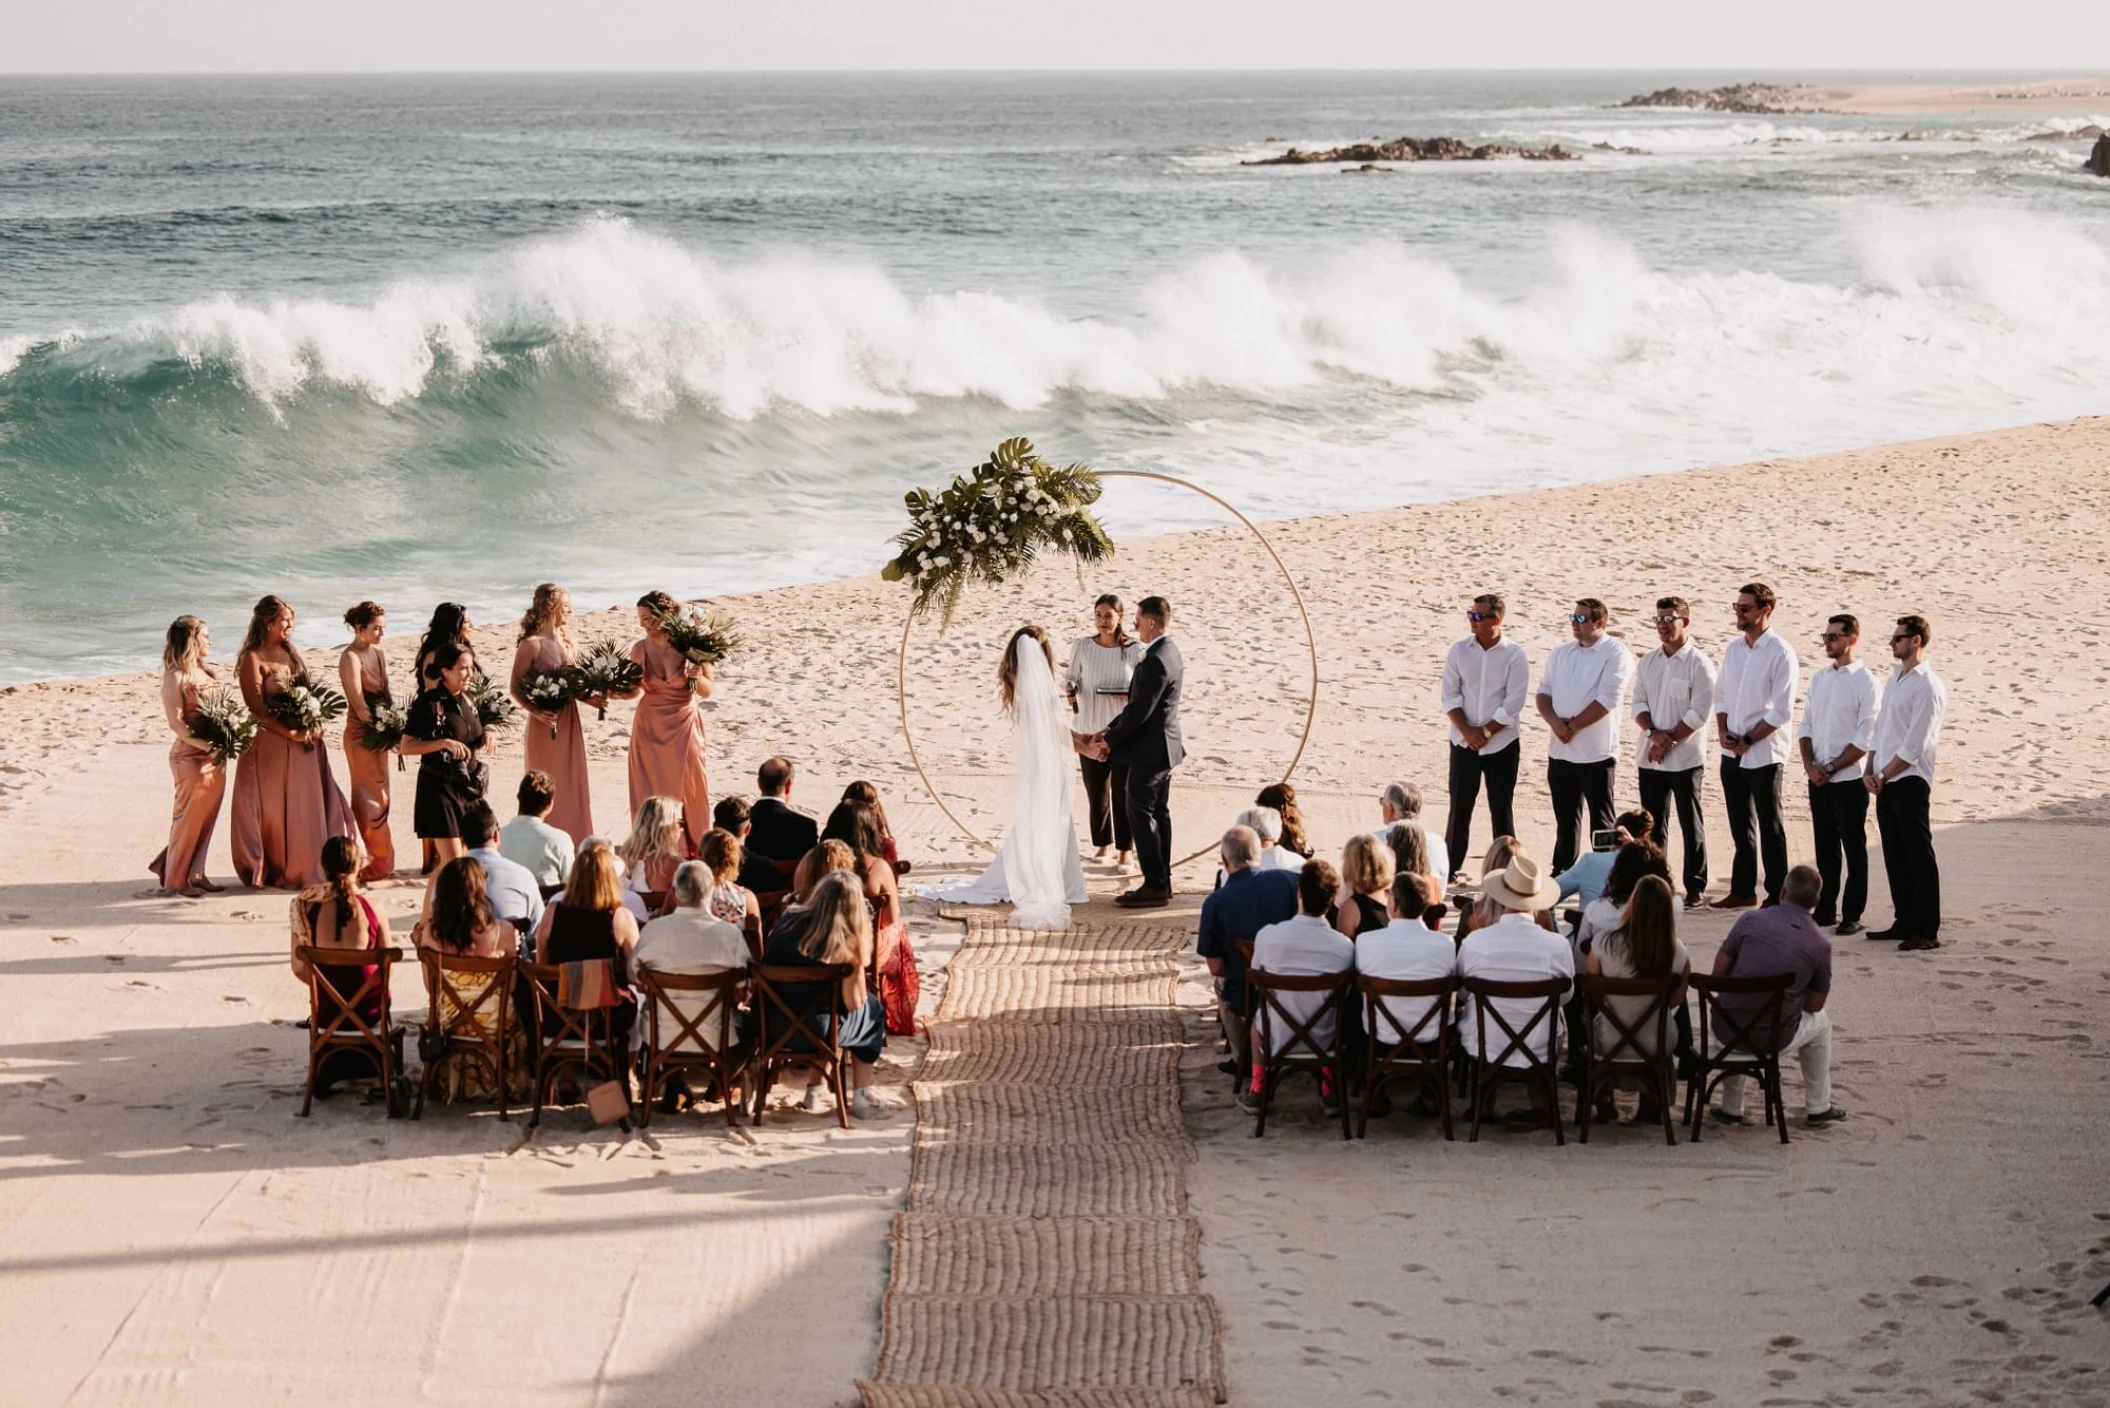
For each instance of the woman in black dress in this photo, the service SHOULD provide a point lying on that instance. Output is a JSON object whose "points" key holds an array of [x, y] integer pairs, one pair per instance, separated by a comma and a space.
{"points": [[443, 733]]}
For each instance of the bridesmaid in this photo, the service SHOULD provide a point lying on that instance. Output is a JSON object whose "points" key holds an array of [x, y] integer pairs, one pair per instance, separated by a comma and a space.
{"points": [[666, 734], [545, 645], [286, 802], [363, 672], [200, 784], [449, 626]]}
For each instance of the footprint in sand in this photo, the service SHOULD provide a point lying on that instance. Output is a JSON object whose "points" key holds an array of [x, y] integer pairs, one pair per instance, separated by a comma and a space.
{"points": [[64, 939]]}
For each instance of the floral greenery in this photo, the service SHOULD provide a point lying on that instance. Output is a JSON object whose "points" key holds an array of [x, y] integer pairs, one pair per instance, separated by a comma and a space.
{"points": [[548, 691], [992, 522], [495, 709], [384, 725], [605, 670], [701, 637], [224, 724], [305, 708]]}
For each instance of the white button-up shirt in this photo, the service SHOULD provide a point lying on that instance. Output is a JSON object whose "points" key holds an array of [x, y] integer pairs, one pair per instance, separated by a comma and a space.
{"points": [[1577, 676], [1489, 685], [1672, 690], [1513, 949], [1757, 683], [1405, 950], [1909, 725], [1302, 947], [1841, 712]]}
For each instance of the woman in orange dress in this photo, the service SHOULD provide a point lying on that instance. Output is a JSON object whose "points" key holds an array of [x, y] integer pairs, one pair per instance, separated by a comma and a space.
{"points": [[286, 802], [666, 734], [556, 744], [363, 671], [200, 782]]}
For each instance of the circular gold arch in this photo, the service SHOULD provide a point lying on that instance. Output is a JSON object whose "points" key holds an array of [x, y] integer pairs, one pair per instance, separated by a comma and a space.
{"points": [[1311, 649]]}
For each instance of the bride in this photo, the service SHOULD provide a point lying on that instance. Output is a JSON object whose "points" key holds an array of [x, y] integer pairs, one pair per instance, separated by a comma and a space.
{"points": [[1037, 871]]}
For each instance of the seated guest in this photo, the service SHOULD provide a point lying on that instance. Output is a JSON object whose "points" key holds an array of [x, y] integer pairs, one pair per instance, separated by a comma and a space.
{"points": [[828, 857], [528, 840], [690, 940], [1250, 898], [1585, 879], [865, 794], [1401, 807], [631, 901], [775, 831], [835, 926], [511, 891], [1633, 861], [1407, 950], [1642, 944], [588, 921], [657, 844], [1480, 912], [1266, 823], [1515, 948], [1366, 876], [333, 914], [729, 900], [758, 872], [1304, 945], [1282, 799], [459, 920], [853, 824], [1410, 851], [1786, 939]]}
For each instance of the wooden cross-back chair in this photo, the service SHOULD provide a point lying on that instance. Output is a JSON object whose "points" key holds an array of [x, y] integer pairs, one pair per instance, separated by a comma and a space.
{"points": [[784, 1031], [677, 1043], [1385, 1058], [1490, 1068], [655, 902], [1733, 1045], [1301, 1049], [458, 1020], [335, 1026], [1640, 1047], [581, 1039]]}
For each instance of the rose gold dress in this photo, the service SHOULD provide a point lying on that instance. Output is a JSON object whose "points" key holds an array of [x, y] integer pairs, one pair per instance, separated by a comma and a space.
{"points": [[286, 804], [200, 786], [666, 739], [368, 772], [562, 757]]}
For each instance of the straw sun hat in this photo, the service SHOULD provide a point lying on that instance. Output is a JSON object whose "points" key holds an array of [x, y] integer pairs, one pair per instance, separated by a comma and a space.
{"points": [[1521, 885]]}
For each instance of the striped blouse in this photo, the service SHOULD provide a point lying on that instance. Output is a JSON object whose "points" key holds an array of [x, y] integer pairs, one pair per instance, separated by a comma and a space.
{"points": [[1099, 674]]}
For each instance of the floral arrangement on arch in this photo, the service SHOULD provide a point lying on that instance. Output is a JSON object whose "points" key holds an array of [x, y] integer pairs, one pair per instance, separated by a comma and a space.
{"points": [[992, 522]]}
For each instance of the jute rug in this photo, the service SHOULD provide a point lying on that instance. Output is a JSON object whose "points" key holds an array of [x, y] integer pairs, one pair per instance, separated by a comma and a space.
{"points": [[1046, 1257]]}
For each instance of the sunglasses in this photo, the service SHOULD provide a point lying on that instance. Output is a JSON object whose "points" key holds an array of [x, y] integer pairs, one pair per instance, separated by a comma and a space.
{"points": [[1835, 635], [1581, 617], [1671, 620], [1479, 616], [1898, 640]]}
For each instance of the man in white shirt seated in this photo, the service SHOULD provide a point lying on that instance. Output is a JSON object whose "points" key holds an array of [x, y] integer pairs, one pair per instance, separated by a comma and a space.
{"points": [[690, 940], [1515, 949], [1401, 806], [1408, 950], [1301, 947], [531, 842]]}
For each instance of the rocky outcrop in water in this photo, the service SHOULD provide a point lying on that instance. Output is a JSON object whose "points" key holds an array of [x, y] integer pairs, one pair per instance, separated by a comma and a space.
{"points": [[1414, 149], [1768, 98], [2099, 159]]}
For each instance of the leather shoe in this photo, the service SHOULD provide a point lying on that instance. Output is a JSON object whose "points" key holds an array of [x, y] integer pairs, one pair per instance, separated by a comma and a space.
{"points": [[1144, 897], [1917, 943], [1828, 1116], [1848, 928], [1734, 902], [1883, 936], [1695, 900]]}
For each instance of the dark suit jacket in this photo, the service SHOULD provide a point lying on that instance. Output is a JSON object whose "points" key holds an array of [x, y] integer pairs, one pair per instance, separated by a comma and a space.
{"points": [[1249, 901], [1146, 734], [776, 831]]}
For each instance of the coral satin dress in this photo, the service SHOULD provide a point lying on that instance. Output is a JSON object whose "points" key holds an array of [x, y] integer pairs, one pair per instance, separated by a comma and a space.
{"points": [[368, 772], [562, 757], [666, 739], [286, 804], [200, 786]]}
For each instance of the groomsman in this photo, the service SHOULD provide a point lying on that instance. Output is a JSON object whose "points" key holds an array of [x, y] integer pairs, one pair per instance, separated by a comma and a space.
{"points": [[1754, 699], [1484, 681], [1673, 697], [1908, 732], [1838, 730], [1580, 692]]}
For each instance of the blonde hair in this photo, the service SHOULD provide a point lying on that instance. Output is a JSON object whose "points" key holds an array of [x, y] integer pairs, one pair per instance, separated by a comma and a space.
{"points": [[657, 834], [721, 851], [1366, 865], [183, 650], [593, 883], [1500, 852], [837, 855], [550, 611], [839, 926]]}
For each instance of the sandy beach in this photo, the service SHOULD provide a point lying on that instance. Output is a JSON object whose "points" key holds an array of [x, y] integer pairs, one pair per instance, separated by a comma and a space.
{"points": [[2041, 95], [177, 1235]]}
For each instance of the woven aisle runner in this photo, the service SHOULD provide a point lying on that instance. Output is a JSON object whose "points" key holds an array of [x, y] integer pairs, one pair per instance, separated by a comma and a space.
{"points": [[1046, 1257]]}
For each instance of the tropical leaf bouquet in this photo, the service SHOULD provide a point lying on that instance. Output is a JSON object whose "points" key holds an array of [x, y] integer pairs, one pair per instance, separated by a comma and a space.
{"points": [[606, 671], [495, 708], [548, 691], [384, 727], [702, 637], [224, 724], [305, 708], [992, 522]]}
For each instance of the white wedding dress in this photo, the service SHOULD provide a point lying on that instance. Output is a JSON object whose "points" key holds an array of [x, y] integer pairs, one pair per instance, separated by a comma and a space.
{"points": [[1037, 870]]}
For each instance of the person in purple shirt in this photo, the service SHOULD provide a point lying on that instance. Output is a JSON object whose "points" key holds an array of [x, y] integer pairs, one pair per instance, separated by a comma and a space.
{"points": [[1786, 939], [1248, 901]]}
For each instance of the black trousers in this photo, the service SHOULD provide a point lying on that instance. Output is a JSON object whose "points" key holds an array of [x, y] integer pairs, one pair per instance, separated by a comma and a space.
{"points": [[1575, 785], [1839, 823], [1106, 789], [1908, 856], [1467, 769], [1659, 788], [1150, 821], [1757, 825]]}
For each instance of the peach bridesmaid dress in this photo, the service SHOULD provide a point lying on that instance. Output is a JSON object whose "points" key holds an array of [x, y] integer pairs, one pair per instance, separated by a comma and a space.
{"points": [[368, 772], [562, 757], [200, 786], [666, 739], [286, 804]]}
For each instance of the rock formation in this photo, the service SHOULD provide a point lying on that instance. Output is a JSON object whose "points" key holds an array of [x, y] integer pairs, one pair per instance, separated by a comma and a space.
{"points": [[1414, 149], [1770, 98], [2099, 159]]}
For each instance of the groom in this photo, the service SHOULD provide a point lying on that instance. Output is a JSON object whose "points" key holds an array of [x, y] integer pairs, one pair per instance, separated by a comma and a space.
{"points": [[1145, 735]]}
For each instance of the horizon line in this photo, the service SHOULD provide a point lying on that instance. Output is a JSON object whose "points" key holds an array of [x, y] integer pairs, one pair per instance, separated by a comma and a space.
{"points": [[1923, 70]]}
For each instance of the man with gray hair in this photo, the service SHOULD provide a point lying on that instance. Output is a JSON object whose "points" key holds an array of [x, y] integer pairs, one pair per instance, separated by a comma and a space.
{"points": [[1401, 806], [1785, 939], [1250, 899], [690, 940], [1267, 825]]}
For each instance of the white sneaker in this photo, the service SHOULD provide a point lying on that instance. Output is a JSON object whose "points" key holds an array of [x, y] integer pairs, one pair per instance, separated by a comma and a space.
{"points": [[868, 1104], [817, 1102]]}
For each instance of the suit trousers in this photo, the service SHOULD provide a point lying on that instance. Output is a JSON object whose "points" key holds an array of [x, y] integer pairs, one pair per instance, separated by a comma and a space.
{"points": [[1106, 789], [1757, 826], [1908, 856], [1575, 785], [1468, 767], [1659, 787], [1839, 824], [1150, 822]]}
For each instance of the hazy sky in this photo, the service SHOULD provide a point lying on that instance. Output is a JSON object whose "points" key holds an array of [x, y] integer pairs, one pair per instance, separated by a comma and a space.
{"points": [[106, 36]]}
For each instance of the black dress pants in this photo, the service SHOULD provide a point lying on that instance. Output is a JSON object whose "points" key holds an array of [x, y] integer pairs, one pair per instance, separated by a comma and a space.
{"points": [[1150, 821], [1468, 767], [1106, 789], [1757, 825], [1659, 788], [1575, 785], [1839, 824], [1908, 856]]}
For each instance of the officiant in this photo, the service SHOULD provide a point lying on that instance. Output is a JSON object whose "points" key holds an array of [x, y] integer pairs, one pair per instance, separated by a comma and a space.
{"points": [[1096, 681]]}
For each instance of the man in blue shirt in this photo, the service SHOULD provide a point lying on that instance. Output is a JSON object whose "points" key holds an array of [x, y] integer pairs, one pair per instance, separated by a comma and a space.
{"points": [[1248, 901], [510, 889]]}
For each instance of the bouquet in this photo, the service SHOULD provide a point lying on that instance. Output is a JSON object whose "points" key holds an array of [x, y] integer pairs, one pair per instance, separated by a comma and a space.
{"points": [[305, 708], [703, 638], [495, 709], [548, 691], [606, 671], [224, 724], [383, 729]]}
